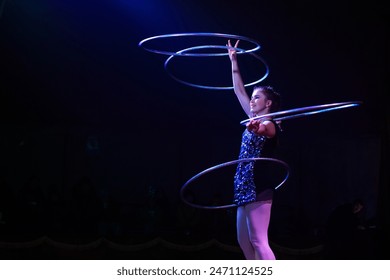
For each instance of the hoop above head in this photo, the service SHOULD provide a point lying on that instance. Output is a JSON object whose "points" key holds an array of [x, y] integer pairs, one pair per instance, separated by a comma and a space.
{"points": [[184, 187], [214, 87], [303, 111], [199, 34]]}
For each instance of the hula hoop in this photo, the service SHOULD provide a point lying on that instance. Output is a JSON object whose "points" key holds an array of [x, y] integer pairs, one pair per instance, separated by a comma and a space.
{"points": [[198, 34], [213, 87], [304, 111], [183, 188]]}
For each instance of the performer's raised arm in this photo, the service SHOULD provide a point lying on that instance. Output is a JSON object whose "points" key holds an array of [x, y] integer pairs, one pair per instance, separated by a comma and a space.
{"points": [[238, 83]]}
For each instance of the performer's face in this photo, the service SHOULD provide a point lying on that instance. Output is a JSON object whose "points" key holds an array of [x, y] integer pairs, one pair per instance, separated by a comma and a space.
{"points": [[259, 103]]}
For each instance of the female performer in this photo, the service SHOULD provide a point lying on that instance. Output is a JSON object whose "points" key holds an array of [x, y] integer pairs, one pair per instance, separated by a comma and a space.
{"points": [[258, 140]]}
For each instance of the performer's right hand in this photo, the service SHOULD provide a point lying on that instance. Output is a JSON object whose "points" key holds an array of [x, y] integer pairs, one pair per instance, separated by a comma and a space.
{"points": [[253, 125]]}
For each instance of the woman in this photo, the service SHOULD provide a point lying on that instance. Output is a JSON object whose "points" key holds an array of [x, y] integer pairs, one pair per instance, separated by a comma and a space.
{"points": [[258, 140]]}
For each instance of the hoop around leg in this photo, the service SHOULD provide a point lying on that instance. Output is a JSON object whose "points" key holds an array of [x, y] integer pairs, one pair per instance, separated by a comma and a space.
{"points": [[184, 187]]}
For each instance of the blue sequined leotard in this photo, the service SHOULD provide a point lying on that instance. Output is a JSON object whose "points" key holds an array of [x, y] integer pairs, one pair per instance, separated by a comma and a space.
{"points": [[252, 146]]}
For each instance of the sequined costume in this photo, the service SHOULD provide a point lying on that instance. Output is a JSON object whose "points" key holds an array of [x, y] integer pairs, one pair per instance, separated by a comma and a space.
{"points": [[252, 146]]}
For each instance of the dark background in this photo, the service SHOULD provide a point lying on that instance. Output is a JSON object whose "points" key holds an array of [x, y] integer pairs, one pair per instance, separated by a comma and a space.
{"points": [[97, 139]]}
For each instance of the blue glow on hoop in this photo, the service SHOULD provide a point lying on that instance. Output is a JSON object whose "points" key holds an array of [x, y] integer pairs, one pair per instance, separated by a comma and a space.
{"points": [[199, 34], [183, 188], [304, 111], [214, 87]]}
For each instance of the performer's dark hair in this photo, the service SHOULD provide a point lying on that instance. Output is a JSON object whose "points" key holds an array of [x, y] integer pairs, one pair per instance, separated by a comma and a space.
{"points": [[272, 95]]}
